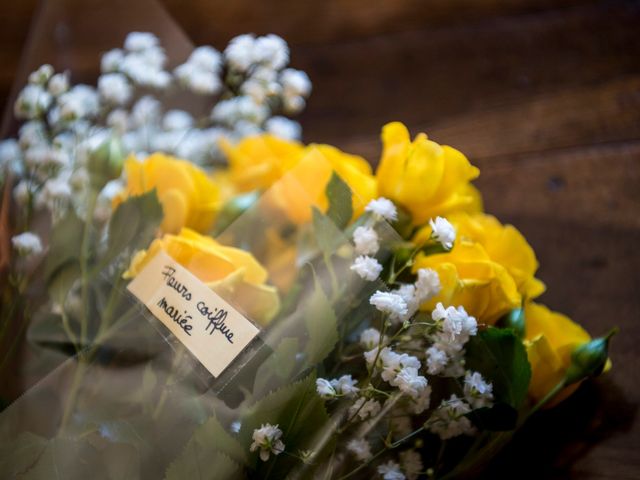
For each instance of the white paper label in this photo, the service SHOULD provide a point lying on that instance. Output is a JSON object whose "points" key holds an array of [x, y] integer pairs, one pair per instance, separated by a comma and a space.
{"points": [[206, 324]]}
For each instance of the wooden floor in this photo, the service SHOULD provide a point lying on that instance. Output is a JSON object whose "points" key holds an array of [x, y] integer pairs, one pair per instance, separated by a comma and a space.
{"points": [[542, 95]]}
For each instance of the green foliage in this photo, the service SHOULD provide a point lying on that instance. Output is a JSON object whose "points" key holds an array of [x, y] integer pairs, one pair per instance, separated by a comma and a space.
{"points": [[500, 356], [328, 236], [300, 414], [133, 224], [339, 195], [65, 246], [322, 326], [211, 453], [278, 368]]}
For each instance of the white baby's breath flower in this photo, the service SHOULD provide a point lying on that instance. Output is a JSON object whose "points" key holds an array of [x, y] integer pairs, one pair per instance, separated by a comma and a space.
{"points": [[111, 61], [42, 75], [477, 391], [137, 41], [443, 232], [456, 325], [364, 408], [325, 389], [449, 419], [271, 50], [267, 439], [383, 208], [145, 111], [366, 241], [389, 303], [239, 54], [411, 463], [177, 120], [427, 284], [345, 385], [32, 102], [230, 112], [408, 294], [409, 382], [27, 244], [437, 360], [360, 449], [295, 83], [206, 58], [284, 128], [367, 267], [58, 84], [118, 119], [115, 88], [422, 401], [293, 105], [390, 471], [370, 338]]}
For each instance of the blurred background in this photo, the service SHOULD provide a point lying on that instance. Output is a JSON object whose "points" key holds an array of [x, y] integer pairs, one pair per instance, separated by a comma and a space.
{"points": [[542, 95]]}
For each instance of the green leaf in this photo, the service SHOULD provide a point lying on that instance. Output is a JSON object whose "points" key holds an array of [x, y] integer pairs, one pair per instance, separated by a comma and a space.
{"points": [[328, 236], [322, 326], [65, 245], [133, 224], [233, 209], [210, 444], [339, 195], [278, 368], [500, 356], [203, 464], [300, 414]]}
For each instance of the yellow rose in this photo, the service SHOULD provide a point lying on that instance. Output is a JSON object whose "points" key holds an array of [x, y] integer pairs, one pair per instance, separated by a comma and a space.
{"points": [[469, 277], [489, 271], [424, 177], [188, 197], [550, 339], [505, 245], [233, 273], [298, 175], [257, 162]]}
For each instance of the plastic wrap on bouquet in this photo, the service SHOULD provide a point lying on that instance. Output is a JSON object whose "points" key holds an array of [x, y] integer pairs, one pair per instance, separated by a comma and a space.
{"points": [[273, 299]]}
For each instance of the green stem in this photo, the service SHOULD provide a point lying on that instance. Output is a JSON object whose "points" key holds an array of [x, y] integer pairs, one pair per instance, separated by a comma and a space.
{"points": [[163, 396], [85, 251]]}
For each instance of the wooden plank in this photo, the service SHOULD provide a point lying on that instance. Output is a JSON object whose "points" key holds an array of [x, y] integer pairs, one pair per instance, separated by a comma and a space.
{"points": [[439, 78], [310, 21], [600, 113], [595, 186]]}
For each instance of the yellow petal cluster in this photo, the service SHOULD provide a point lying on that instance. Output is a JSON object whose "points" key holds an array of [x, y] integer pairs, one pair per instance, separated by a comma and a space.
{"points": [[233, 273], [550, 337], [298, 174], [188, 196], [425, 178], [489, 271]]}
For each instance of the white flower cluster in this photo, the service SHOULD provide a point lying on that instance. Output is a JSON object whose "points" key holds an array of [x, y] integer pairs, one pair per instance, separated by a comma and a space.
{"points": [[343, 386], [267, 440], [65, 123], [449, 419], [454, 328], [27, 244]]}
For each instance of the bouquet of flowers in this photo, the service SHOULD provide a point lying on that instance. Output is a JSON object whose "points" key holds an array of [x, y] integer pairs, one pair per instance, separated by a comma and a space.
{"points": [[225, 301]]}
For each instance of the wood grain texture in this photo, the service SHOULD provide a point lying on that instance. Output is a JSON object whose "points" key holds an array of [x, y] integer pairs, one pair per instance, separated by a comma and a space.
{"points": [[542, 95]]}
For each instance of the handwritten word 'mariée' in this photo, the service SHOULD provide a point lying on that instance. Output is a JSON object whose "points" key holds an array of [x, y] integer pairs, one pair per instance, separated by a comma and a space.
{"points": [[182, 319]]}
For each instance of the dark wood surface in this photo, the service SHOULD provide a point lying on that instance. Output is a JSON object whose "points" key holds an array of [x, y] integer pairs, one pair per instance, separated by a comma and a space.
{"points": [[542, 95]]}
